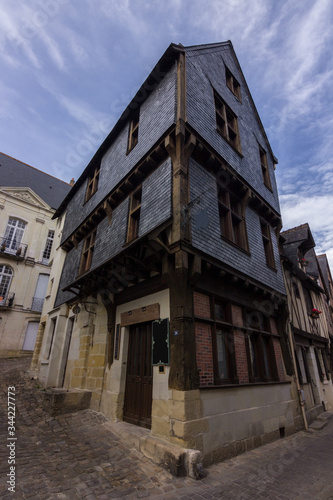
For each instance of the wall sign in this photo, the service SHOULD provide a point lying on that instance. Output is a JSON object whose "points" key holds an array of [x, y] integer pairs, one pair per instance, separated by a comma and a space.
{"points": [[161, 342]]}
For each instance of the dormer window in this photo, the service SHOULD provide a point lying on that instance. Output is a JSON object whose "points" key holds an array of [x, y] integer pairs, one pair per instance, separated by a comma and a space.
{"points": [[233, 84], [93, 183], [133, 135]]}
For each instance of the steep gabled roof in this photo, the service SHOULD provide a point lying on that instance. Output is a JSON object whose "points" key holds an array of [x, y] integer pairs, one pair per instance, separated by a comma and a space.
{"points": [[14, 173], [297, 237], [211, 47]]}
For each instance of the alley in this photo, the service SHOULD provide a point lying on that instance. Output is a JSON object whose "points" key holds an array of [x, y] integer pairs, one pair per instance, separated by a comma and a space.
{"points": [[74, 456]]}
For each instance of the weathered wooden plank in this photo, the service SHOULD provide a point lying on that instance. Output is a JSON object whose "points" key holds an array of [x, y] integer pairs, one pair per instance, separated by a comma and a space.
{"points": [[140, 315]]}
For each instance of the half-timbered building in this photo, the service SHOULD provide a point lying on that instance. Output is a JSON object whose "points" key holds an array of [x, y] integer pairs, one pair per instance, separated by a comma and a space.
{"points": [[310, 318], [171, 306]]}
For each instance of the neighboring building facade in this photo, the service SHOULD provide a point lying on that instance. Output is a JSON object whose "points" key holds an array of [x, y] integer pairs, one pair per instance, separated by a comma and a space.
{"points": [[310, 316], [171, 307], [28, 199]]}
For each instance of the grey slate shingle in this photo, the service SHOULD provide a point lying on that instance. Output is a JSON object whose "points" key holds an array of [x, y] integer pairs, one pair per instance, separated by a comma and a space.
{"points": [[14, 173]]}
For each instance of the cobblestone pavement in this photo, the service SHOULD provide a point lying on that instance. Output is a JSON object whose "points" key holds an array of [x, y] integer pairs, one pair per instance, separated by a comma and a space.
{"points": [[74, 457]]}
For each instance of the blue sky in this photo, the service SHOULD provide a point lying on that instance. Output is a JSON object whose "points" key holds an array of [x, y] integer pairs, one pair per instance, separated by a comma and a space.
{"points": [[69, 67]]}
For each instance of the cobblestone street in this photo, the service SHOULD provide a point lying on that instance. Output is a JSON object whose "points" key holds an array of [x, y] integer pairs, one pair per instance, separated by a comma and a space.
{"points": [[74, 456]]}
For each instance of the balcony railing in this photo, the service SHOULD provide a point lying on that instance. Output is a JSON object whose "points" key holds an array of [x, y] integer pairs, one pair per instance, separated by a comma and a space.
{"points": [[12, 247], [7, 301], [37, 304]]}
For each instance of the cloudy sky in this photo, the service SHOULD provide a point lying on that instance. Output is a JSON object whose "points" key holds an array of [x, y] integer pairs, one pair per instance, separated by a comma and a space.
{"points": [[69, 67]]}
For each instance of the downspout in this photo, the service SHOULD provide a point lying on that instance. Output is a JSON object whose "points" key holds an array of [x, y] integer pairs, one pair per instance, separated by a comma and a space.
{"points": [[298, 386], [293, 348]]}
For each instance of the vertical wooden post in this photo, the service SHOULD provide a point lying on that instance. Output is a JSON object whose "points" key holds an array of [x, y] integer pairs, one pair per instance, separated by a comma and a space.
{"points": [[184, 375]]}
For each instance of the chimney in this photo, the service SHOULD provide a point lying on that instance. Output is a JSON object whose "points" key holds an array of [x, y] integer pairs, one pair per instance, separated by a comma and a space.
{"points": [[72, 182]]}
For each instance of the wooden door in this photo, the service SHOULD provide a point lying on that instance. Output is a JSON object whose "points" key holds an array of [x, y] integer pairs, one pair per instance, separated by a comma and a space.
{"points": [[139, 380]]}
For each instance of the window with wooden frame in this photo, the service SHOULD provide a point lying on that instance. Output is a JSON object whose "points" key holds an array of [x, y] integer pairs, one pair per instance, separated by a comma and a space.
{"points": [[264, 168], [232, 220], [267, 242], [133, 134], [296, 288], [321, 363], [260, 348], [92, 185], [134, 215], [302, 364], [223, 342], [233, 84], [87, 253], [226, 122]]}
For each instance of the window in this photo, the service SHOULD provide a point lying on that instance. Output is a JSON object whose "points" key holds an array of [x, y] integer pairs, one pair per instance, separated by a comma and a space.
{"points": [[296, 289], [267, 242], [224, 352], [93, 183], [260, 348], [264, 168], [40, 292], [6, 275], [232, 84], [134, 215], [87, 253], [321, 363], [51, 337], [133, 135], [302, 364], [48, 247], [308, 299], [226, 122], [14, 234], [232, 223]]}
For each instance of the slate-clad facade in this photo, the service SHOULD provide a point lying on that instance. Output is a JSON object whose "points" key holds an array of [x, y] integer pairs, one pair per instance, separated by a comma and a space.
{"points": [[171, 235]]}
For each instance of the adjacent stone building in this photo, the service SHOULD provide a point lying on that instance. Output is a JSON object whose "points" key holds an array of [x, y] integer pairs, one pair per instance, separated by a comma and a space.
{"points": [[171, 308], [28, 199]]}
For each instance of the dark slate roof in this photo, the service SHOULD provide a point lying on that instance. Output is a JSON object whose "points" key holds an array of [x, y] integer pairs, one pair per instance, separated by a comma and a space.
{"points": [[14, 173], [171, 53], [295, 238], [146, 88]]}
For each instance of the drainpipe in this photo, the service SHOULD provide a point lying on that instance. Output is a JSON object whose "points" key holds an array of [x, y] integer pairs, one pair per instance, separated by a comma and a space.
{"points": [[298, 386]]}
